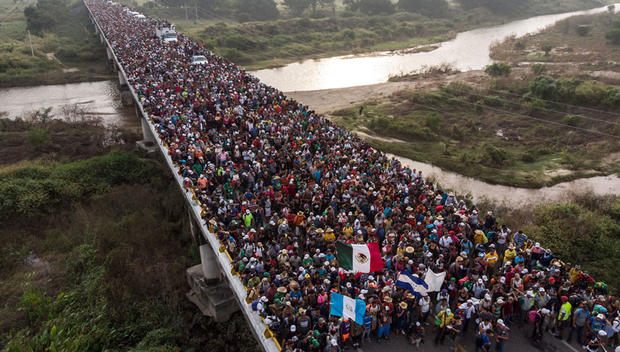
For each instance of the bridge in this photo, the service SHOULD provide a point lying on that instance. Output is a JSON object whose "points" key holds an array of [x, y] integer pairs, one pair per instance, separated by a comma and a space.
{"points": [[216, 288]]}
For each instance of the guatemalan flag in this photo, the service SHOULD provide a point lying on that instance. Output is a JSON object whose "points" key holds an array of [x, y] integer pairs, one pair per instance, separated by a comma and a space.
{"points": [[359, 258], [347, 307], [413, 284]]}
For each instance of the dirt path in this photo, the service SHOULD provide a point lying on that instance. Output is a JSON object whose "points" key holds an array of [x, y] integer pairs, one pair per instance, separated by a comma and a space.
{"points": [[327, 100]]}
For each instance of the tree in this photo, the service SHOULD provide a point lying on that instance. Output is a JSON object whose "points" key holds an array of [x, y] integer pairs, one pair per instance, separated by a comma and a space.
{"points": [[45, 15], [547, 49], [425, 7], [583, 29], [498, 69], [258, 10], [376, 7], [297, 7], [613, 36]]}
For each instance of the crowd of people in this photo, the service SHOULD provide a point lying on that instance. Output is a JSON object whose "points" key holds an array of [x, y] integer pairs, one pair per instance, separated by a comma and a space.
{"points": [[280, 185]]}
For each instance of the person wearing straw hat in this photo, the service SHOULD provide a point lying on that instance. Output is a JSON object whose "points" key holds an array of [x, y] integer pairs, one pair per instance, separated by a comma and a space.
{"points": [[401, 317]]}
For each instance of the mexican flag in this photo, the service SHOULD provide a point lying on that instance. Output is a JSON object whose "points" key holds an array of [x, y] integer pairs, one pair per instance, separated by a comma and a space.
{"points": [[359, 258]]}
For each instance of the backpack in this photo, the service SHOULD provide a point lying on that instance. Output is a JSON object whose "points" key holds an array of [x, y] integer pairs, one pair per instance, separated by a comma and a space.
{"points": [[532, 315], [255, 305]]}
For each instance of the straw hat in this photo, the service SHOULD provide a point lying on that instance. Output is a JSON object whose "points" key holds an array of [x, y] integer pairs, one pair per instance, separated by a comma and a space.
{"points": [[410, 296], [329, 229], [409, 249], [282, 289], [387, 299], [213, 222], [403, 305], [319, 230], [409, 208]]}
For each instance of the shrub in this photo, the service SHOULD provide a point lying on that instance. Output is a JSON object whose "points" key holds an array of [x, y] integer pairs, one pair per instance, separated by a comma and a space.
{"points": [[491, 100], [498, 69], [590, 92], [433, 120], [547, 49], [28, 193], [38, 137], [539, 69], [519, 45], [573, 120], [613, 36], [583, 29], [493, 155]]}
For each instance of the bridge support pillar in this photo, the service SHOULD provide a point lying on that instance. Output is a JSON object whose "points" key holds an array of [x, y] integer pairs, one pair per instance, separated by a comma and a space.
{"points": [[208, 292], [148, 140], [121, 79], [210, 267]]}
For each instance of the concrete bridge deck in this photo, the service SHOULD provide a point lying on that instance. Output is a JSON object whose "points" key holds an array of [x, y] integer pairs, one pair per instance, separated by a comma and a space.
{"points": [[213, 280]]}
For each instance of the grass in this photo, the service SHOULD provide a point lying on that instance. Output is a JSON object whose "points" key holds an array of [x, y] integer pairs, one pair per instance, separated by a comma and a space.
{"points": [[590, 51], [257, 45], [72, 41], [111, 247], [475, 132], [56, 140]]}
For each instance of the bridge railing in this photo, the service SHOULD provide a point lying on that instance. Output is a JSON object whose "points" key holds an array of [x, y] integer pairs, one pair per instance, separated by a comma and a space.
{"points": [[261, 331]]}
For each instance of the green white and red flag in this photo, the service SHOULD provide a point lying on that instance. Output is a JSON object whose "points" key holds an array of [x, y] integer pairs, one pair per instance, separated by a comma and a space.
{"points": [[359, 258]]}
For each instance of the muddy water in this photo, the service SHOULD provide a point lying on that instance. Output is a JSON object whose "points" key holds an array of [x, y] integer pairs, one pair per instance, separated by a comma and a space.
{"points": [[468, 51], [514, 196], [98, 99]]}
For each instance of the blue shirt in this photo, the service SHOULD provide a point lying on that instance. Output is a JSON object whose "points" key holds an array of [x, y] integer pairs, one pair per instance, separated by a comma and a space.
{"points": [[367, 321]]}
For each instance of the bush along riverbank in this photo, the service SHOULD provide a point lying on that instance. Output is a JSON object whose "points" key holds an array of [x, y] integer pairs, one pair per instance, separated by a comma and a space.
{"points": [[93, 258], [64, 45], [517, 131], [297, 30], [584, 41]]}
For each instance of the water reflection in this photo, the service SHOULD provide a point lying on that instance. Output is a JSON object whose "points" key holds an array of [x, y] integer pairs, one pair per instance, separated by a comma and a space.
{"points": [[468, 51], [100, 99], [515, 196]]}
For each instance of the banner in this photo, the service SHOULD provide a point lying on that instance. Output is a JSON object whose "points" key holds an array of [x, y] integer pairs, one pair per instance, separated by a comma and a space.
{"points": [[434, 281]]}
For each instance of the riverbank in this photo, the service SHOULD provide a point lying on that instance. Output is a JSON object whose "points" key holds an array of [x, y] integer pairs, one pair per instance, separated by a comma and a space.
{"points": [[66, 52], [270, 44], [577, 43], [479, 129]]}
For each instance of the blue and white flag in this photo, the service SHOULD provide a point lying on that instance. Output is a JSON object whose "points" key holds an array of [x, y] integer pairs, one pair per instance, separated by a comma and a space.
{"points": [[347, 307], [413, 284]]}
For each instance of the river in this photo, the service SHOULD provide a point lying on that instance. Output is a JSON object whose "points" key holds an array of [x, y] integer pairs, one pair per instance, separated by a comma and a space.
{"points": [[468, 51], [99, 99], [103, 99]]}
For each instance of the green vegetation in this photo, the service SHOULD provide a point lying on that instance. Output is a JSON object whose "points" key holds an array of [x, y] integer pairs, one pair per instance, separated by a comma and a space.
{"points": [[498, 69], [613, 36], [93, 259], [46, 138], [580, 43], [320, 28], [584, 231], [505, 134], [574, 91], [65, 47], [263, 44]]}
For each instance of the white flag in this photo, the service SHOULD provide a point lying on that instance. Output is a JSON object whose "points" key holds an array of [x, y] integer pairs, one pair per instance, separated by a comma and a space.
{"points": [[434, 281]]}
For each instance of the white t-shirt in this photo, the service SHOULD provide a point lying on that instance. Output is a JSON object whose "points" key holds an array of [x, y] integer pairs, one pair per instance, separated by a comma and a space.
{"points": [[425, 305]]}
